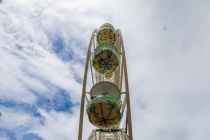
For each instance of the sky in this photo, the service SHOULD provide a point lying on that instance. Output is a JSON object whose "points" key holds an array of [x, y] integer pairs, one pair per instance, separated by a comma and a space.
{"points": [[43, 45]]}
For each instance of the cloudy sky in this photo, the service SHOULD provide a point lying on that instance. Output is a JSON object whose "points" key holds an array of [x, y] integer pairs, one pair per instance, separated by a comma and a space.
{"points": [[43, 45]]}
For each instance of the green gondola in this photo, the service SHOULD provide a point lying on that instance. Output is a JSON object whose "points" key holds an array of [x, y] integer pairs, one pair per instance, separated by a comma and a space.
{"points": [[106, 59]]}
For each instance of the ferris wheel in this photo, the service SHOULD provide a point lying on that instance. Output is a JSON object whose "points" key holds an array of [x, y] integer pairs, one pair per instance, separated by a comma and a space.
{"points": [[107, 100]]}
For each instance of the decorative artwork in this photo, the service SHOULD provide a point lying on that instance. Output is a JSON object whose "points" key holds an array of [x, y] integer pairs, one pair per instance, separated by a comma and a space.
{"points": [[106, 59], [104, 112], [106, 35]]}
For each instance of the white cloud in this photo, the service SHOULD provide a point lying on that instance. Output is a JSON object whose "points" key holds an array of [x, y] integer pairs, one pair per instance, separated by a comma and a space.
{"points": [[58, 126], [11, 121]]}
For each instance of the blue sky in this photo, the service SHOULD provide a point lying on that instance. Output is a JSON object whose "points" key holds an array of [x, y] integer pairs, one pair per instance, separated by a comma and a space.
{"points": [[43, 46]]}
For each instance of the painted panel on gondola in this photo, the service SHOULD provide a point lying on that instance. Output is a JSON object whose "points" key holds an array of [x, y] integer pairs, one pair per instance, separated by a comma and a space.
{"points": [[104, 112], [106, 34], [106, 59]]}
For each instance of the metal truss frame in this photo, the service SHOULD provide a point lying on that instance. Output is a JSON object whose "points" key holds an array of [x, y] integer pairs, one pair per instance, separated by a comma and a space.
{"points": [[120, 78]]}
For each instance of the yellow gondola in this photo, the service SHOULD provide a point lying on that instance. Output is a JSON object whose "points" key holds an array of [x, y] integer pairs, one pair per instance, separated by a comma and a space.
{"points": [[106, 34], [104, 112]]}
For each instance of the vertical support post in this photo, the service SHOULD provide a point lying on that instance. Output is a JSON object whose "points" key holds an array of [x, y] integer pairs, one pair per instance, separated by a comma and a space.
{"points": [[84, 88], [127, 90], [118, 70]]}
